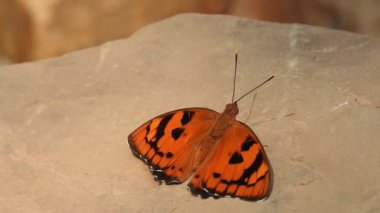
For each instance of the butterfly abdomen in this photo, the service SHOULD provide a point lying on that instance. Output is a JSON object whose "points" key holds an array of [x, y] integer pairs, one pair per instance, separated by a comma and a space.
{"points": [[222, 123]]}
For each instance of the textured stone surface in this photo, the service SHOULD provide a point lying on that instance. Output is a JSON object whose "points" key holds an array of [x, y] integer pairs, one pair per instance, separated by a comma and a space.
{"points": [[64, 121]]}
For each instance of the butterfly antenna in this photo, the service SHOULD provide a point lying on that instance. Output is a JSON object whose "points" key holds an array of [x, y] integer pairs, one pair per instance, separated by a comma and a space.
{"points": [[233, 90], [254, 89], [250, 109]]}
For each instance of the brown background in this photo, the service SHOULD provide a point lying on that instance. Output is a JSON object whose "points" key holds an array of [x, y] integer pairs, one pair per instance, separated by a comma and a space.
{"points": [[31, 30]]}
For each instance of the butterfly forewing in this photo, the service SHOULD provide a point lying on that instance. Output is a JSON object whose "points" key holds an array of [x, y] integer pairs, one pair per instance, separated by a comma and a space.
{"points": [[166, 142], [238, 167]]}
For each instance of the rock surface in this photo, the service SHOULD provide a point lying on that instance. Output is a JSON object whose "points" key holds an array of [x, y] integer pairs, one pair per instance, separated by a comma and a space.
{"points": [[64, 121]]}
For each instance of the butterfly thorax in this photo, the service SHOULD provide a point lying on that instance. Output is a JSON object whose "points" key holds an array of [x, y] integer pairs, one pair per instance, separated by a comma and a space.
{"points": [[222, 123], [231, 110], [226, 118]]}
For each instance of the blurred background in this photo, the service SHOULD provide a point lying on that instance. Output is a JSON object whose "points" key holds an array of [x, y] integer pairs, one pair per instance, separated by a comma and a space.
{"points": [[38, 29]]}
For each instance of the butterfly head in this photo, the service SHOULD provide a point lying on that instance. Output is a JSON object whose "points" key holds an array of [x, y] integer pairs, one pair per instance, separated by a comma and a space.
{"points": [[231, 109]]}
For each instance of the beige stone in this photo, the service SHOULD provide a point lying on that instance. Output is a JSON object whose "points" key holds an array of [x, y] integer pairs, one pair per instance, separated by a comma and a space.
{"points": [[64, 121]]}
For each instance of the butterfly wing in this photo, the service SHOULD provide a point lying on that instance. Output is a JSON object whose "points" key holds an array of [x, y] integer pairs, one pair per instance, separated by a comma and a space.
{"points": [[166, 142], [238, 167]]}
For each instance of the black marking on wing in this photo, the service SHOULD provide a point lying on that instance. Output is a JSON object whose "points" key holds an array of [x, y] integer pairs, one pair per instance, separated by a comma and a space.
{"points": [[169, 155], [161, 128], [177, 132], [159, 153], [159, 176], [246, 145], [187, 116], [147, 132], [216, 175], [236, 158], [201, 191], [158, 171], [206, 192], [160, 131], [243, 180]]}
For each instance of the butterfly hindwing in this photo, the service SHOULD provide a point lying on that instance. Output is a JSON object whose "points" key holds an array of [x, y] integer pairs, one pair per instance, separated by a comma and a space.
{"points": [[238, 167], [165, 143]]}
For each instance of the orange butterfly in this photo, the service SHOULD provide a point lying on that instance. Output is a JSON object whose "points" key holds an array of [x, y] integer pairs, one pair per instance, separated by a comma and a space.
{"points": [[225, 155]]}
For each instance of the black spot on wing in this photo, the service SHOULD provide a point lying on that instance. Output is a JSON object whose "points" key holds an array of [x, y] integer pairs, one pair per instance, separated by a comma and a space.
{"points": [[186, 117], [246, 145], [236, 158], [243, 180], [216, 175], [169, 155], [177, 132]]}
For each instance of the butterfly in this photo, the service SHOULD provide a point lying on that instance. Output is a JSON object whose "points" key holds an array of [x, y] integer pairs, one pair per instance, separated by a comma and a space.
{"points": [[223, 156]]}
